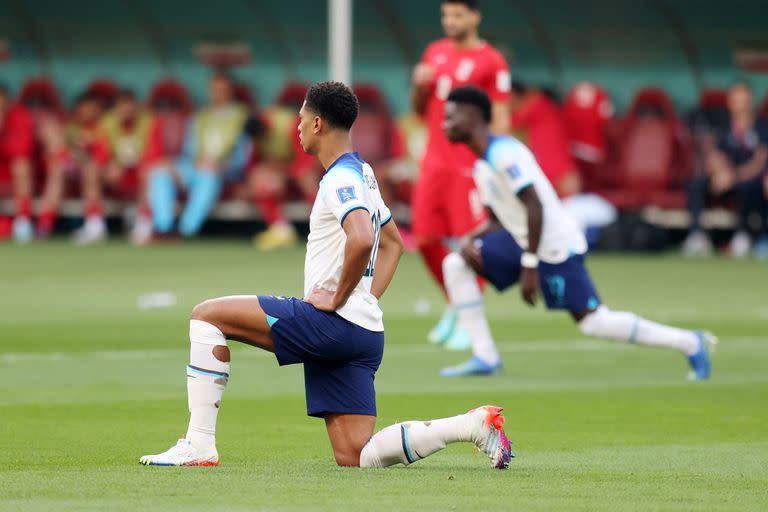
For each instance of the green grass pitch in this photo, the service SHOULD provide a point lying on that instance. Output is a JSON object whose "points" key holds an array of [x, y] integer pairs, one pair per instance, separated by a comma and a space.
{"points": [[89, 382]]}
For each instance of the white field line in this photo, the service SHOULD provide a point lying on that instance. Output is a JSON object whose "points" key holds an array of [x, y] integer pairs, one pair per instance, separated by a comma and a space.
{"points": [[577, 345]]}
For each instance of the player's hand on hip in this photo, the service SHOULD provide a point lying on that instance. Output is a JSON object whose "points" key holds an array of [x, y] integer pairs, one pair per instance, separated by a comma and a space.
{"points": [[324, 300], [423, 74], [471, 254], [529, 285]]}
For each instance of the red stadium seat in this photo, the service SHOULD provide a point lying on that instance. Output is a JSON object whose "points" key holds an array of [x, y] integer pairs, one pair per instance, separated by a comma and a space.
{"points": [[651, 157], [244, 95], [292, 95], [762, 112], [713, 98], [170, 94], [105, 90], [41, 94]]}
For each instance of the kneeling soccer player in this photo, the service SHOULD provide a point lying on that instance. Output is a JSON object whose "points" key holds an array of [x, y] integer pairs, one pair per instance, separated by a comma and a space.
{"points": [[337, 330], [531, 239]]}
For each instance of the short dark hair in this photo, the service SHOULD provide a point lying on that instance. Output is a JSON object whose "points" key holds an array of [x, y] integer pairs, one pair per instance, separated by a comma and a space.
{"points": [[85, 97], [334, 102], [519, 87], [126, 94], [472, 96], [471, 4]]}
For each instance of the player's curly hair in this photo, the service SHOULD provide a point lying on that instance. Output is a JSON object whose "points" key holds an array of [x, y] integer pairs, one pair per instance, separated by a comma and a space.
{"points": [[469, 95], [334, 102], [471, 4]]}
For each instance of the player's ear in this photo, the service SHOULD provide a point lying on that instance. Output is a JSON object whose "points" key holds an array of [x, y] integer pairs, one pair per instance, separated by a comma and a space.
{"points": [[317, 124]]}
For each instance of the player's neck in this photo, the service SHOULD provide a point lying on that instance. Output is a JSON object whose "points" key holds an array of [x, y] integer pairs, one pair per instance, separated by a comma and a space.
{"points": [[469, 42], [337, 145], [479, 143]]}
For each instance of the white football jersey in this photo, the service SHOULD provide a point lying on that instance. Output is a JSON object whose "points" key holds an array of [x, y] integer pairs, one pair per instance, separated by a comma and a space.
{"points": [[507, 168], [348, 185]]}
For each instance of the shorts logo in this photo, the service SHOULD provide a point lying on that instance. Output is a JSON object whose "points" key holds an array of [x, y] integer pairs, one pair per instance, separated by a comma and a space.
{"points": [[346, 194]]}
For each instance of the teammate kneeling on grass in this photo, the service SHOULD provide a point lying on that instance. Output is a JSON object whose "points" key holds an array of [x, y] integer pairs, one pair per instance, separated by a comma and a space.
{"points": [[337, 330], [530, 239]]}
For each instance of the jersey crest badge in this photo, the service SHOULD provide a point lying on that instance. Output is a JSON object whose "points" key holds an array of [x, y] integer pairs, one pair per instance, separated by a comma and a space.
{"points": [[346, 194]]}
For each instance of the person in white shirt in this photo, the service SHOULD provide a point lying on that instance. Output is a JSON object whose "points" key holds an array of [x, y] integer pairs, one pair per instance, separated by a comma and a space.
{"points": [[336, 331], [530, 238]]}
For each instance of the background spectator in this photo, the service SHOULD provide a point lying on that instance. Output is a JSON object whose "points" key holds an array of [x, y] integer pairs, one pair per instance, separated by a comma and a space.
{"points": [[216, 149], [127, 129], [735, 170], [16, 146]]}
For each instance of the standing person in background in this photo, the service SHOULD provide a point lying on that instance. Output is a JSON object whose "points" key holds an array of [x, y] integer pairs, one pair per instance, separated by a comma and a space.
{"points": [[445, 203], [17, 141], [216, 149], [737, 168], [126, 129]]}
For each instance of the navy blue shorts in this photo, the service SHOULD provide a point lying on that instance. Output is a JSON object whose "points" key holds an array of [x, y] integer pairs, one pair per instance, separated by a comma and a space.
{"points": [[340, 358], [565, 285]]}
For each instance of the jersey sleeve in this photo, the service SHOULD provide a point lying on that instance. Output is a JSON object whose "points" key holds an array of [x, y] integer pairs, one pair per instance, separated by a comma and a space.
{"points": [[343, 192], [386, 214], [499, 78], [515, 166], [483, 192]]}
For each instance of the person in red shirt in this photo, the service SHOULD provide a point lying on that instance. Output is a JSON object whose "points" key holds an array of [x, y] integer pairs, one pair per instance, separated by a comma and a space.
{"points": [[16, 147], [543, 130], [76, 150], [445, 203]]}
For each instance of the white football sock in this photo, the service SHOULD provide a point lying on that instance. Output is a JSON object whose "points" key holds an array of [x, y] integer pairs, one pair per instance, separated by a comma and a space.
{"points": [[466, 297], [407, 442], [622, 326], [206, 379]]}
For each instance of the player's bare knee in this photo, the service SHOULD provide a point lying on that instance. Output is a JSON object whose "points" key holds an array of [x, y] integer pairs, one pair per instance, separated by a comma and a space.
{"points": [[347, 458], [204, 311]]}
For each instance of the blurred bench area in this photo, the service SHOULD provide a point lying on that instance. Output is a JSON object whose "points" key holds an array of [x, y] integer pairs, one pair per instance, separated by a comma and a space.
{"points": [[109, 108]]}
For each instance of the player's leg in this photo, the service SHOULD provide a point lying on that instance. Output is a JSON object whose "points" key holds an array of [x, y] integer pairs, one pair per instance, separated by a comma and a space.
{"points": [[214, 321], [464, 212], [161, 195], [204, 189], [568, 286], [267, 183], [499, 262], [407, 442], [349, 434], [429, 223], [94, 227], [21, 171]]}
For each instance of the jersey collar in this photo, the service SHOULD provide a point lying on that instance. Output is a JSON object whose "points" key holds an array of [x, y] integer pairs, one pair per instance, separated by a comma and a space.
{"points": [[491, 140], [353, 157]]}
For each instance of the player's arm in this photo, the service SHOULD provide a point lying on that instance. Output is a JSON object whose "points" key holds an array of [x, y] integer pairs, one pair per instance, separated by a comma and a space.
{"points": [[500, 117], [423, 75], [755, 166], [357, 253], [529, 277], [468, 247], [390, 250]]}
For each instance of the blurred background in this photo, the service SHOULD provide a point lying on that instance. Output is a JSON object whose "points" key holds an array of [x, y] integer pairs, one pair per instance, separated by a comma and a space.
{"points": [[633, 102]]}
